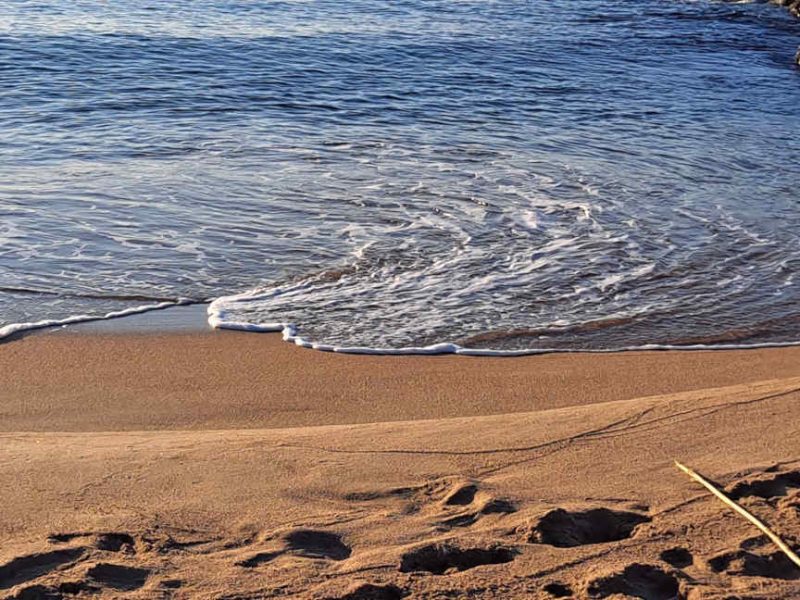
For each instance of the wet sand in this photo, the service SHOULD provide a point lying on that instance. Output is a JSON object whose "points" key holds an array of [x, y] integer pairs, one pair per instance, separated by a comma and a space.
{"points": [[231, 465], [230, 380]]}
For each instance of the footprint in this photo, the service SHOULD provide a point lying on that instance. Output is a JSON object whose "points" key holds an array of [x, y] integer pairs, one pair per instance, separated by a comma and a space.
{"points": [[638, 581], [440, 559], [371, 591], [489, 506], [437, 491], [565, 529], [444, 492], [24, 568], [558, 590], [118, 577], [769, 488], [479, 503], [721, 562], [679, 558], [44, 592], [73, 588], [115, 542], [461, 495], [741, 562], [307, 543], [775, 565], [317, 544], [498, 506], [259, 559]]}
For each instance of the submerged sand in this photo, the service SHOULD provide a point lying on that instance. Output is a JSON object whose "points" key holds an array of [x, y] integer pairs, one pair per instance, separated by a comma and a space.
{"points": [[236, 466]]}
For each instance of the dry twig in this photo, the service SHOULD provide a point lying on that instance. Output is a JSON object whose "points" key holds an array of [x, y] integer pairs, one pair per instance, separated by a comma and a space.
{"points": [[742, 511]]}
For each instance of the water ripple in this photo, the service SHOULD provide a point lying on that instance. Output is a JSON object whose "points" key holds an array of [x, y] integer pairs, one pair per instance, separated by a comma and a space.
{"points": [[491, 174]]}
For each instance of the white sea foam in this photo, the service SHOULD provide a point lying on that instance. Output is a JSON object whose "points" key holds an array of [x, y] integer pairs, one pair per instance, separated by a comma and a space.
{"points": [[218, 311], [11, 329]]}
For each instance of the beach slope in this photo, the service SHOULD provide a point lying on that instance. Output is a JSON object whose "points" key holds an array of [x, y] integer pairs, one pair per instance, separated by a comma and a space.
{"points": [[553, 498]]}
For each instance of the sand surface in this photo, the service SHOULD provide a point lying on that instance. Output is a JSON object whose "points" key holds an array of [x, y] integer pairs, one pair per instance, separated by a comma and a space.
{"points": [[236, 466], [229, 380]]}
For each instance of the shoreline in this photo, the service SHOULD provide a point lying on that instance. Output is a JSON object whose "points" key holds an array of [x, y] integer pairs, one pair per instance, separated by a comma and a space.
{"points": [[194, 317]]}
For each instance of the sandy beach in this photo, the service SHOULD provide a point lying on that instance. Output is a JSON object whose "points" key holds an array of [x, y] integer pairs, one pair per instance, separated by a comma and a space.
{"points": [[457, 214], [227, 465]]}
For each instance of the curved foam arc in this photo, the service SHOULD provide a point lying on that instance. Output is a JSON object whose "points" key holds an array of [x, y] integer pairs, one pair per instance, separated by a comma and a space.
{"points": [[289, 333], [11, 329]]}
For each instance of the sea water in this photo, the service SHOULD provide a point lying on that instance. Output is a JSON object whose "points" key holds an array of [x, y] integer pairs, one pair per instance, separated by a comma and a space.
{"points": [[442, 174]]}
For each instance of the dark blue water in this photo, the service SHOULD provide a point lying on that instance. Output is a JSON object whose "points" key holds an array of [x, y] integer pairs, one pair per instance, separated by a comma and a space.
{"points": [[540, 174]]}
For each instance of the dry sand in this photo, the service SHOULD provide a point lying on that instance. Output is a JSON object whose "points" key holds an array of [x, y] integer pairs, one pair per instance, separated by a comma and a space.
{"points": [[236, 466]]}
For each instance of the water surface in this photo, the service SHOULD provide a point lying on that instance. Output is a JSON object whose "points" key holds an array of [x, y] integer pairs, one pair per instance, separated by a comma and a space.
{"points": [[496, 174]]}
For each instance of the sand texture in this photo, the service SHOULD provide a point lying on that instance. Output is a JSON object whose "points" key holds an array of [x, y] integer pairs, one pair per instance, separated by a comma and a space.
{"points": [[290, 473]]}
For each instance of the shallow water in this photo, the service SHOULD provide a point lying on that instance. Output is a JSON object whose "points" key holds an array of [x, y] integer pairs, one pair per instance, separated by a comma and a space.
{"points": [[493, 174]]}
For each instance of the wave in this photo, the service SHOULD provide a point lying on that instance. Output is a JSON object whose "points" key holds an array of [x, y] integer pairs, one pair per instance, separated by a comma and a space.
{"points": [[487, 192], [219, 309]]}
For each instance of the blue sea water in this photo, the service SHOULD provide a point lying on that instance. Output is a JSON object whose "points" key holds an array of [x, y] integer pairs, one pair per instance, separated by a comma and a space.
{"points": [[496, 174]]}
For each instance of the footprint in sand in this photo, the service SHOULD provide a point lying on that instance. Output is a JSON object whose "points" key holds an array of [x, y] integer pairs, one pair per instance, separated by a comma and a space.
{"points": [[679, 558], [442, 559], [118, 577], [557, 589], [768, 488], [638, 581], [490, 507], [115, 542], [305, 543], [259, 559], [73, 588], [773, 565], [567, 529], [476, 503], [453, 501], [317, 544], [25, 568], [461, 495], [370, 591]]}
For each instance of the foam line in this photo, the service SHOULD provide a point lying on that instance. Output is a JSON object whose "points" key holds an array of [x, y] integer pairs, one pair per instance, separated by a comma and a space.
{"points": [[217, 320], [8, 330]]}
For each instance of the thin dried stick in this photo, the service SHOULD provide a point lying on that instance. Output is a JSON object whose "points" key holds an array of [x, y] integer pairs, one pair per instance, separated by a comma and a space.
{"points": [[747, 515]]}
